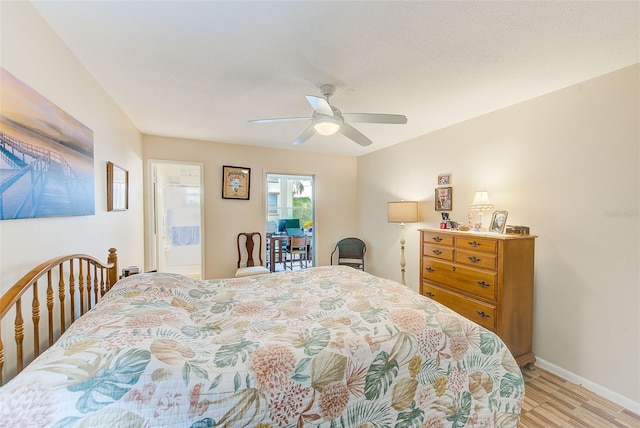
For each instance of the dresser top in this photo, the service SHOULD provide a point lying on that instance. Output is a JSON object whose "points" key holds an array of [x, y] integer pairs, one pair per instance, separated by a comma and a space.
{"points": [[486, 234]]}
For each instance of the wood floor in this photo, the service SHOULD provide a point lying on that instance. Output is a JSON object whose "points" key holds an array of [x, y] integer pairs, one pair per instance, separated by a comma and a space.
{"points": [[551, 401]]}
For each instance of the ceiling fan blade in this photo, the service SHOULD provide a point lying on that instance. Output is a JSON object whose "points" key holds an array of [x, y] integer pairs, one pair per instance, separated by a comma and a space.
{"points": [[398, 119], [279, 119], [320, 105], [352, 133], [308, 133]]}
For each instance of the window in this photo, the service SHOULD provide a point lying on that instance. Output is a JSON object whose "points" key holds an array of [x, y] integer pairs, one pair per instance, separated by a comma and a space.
{"points": [[290, 196]]}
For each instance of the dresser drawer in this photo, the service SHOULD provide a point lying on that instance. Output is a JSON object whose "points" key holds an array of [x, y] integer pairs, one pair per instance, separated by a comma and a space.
{"points": [[478, 312], [475, 282], [489, 281], [486, 245], [477, 259], [438, 251], [437, 238]]}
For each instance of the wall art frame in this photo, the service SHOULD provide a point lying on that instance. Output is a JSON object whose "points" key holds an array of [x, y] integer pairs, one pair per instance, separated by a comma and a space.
{"points": [[444, 198], [48, 167], [236, 182], [117, 188], [444, 179]]}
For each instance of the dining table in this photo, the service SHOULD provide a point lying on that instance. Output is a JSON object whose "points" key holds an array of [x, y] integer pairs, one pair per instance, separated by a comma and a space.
{"points": [[281, 242]]}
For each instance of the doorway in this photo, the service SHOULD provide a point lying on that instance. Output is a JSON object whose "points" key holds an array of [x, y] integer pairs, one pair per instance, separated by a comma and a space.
{"points": [[290, 209], [176, 228]]}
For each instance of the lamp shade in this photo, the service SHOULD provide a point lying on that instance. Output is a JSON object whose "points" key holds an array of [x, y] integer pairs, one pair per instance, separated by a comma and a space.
{"points": [[402, 212], [481, 201], [326, 127]]}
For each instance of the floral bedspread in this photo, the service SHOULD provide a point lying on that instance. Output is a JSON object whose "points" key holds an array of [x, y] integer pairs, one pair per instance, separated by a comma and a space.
{"points": [[323, 347]]}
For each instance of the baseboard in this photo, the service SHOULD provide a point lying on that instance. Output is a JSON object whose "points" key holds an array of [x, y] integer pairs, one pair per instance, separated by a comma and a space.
{"points": [[612, 396]]}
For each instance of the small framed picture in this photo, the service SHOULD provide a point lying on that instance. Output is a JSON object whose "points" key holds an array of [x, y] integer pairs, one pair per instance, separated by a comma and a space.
{"points": [[235, 182], [498, 221], [444, 179], [444, 199], [117, 188]]}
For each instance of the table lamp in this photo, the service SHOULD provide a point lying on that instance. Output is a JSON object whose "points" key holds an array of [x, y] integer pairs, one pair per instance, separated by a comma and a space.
{"points": [[481, 203], [402, 212]]}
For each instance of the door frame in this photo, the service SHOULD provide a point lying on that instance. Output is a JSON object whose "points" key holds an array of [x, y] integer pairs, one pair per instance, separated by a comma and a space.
{"points": [[265, 204], [152, 243]]}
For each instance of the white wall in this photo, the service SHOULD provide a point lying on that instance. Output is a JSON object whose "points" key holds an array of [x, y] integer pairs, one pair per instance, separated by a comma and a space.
{"points": [[567, 165], [335, 193], [33, 53]]}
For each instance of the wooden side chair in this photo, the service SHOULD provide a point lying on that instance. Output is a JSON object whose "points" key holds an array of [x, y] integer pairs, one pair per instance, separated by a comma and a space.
{"points": [[247, 251]]}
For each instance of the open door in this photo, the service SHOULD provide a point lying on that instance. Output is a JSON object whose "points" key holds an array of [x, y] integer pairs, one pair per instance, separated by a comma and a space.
{"points": [[290, 210], [176, 233]]}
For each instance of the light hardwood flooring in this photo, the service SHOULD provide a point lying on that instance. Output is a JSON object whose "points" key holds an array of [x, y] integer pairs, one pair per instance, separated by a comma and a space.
{"points": [[551, 401]]}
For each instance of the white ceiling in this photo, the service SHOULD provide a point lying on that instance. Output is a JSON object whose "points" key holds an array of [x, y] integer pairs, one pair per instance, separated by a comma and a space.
{"points": [[202, 69]]}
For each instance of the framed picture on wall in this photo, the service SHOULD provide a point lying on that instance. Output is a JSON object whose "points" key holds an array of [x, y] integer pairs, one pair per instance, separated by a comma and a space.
{"points": [[444, 179], [235, 182], [444, 198], [39, 139], [117, 188]]}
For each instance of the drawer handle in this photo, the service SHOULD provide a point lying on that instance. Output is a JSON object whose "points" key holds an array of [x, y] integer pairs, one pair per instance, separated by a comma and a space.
{"points": [[483, 284], [474, 244], [437, 252], [429, 269], [474, 259], [429, 294], [483, 314], [437, 239]]}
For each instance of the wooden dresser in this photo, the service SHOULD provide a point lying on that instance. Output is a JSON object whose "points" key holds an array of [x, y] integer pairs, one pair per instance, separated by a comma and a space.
{"points": [[485, 277]]}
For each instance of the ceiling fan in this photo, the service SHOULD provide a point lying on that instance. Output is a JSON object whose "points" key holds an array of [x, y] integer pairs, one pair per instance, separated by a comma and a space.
{"points": [[327, 119]]}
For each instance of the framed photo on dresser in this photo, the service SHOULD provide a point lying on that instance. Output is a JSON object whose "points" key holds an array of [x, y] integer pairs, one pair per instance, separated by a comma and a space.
{"points": [[498, 221]]}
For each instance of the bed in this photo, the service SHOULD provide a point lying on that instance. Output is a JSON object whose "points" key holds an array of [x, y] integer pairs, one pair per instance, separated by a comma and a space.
{"points": [[328, 346]]}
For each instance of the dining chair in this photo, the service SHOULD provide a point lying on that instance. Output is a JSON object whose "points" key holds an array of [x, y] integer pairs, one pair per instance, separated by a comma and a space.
{"points": [[269, 229], [247, 252], [297, 247]]}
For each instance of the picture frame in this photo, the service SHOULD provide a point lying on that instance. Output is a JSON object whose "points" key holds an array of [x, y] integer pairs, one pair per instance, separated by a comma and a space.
{"points": [[50, 131], [498, 221], [444, 179], [444, 198], [236, 181], [117, 188]]}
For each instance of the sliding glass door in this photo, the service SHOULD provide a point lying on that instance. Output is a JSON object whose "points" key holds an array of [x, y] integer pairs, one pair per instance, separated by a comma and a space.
{"points": [[290, 207]]}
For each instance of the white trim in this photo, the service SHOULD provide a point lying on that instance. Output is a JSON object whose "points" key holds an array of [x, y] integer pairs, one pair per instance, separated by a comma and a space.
{"points": [[610, 395]]}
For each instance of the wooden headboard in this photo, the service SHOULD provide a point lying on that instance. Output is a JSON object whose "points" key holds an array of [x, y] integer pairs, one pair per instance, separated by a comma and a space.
{"points": [[81, 280]]}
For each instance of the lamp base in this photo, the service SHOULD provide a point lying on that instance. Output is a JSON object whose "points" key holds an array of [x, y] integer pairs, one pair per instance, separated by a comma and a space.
{"points": [[479, 226], [403, 261]]}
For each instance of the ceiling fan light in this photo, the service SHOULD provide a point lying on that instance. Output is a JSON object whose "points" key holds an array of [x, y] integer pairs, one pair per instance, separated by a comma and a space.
{"points": [[326, 127]]}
